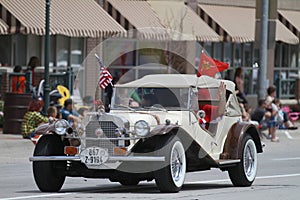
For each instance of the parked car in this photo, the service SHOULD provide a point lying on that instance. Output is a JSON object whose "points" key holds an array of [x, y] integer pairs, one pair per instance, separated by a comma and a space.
{"points": [[160, 141]]}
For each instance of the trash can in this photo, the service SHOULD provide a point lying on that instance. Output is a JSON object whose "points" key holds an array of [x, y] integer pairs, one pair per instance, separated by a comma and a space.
{"points": [[15, 106]]}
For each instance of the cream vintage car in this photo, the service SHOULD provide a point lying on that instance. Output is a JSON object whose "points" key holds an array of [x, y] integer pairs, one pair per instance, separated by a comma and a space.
{"points": [[162, 140]]}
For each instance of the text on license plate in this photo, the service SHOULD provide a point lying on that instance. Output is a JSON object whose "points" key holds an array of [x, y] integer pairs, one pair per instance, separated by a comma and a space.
{"points": [[94, 156]]}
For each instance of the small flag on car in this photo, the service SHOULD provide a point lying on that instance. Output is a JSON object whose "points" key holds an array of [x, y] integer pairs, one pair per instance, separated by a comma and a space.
{"points": [[209, 66], [105, 77]]}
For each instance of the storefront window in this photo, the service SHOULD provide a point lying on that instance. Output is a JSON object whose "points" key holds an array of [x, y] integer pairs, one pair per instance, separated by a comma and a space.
{"points": [[285, 55], [5, 50], [294, 57], [34, 47], [228, 53], [62, 51], [248, 54], [77, 45], [218, 51], [237, 55]]}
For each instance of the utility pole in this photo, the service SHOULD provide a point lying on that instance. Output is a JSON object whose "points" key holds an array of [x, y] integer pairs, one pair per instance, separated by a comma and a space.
{"points": [[263, 50], [47, 48]]}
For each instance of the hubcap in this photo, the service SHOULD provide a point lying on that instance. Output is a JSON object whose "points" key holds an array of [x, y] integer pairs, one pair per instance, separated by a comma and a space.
{"points": [[250, 162], [178, 164]]}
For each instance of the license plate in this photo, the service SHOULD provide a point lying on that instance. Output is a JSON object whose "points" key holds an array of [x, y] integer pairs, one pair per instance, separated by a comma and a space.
{"points": [[94, 156]]}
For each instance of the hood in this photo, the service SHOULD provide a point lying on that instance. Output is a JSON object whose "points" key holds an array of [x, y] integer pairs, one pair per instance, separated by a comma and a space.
{"points": [[153, 118]]}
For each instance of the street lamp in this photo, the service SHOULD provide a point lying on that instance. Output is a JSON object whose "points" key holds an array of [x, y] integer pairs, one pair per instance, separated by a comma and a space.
{"points": [[47, 48]]}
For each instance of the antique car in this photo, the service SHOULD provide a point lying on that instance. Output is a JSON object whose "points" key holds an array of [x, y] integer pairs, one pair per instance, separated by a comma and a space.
{"points": [[153, 132]]}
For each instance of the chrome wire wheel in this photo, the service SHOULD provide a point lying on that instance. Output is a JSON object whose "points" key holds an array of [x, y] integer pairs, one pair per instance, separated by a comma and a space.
{"points": [[171, 173], [250, 160], [178, 164], [244, 173]]}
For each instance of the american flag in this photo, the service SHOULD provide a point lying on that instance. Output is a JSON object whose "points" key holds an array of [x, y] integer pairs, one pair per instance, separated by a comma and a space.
{"points": [[105, 76]]}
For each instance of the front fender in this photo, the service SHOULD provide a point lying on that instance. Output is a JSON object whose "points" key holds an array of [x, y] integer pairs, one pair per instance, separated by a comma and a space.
{"points": [[163, 129], [234, 141]]}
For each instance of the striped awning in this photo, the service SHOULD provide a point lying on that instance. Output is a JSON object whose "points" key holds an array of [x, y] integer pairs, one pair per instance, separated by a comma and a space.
{"points": [[235, 24], [291, 19], [238, 25], [137, 17], [283, 34], [74, 18], [3, 27], [183, 22]]}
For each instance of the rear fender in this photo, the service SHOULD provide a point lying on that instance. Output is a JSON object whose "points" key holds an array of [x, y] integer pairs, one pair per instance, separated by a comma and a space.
{"points": [[234, 140]]}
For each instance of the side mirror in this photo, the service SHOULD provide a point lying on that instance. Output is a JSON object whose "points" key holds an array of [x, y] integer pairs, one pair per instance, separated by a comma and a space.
{"points": [[201, 114]]}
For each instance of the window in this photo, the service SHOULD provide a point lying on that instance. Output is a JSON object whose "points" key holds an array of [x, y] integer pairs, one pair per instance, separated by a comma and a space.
{"points": [[62, 49], [77, 52]]}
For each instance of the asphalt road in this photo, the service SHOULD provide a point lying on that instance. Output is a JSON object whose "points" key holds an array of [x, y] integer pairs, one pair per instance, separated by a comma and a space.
{"points": [[278, 177]]}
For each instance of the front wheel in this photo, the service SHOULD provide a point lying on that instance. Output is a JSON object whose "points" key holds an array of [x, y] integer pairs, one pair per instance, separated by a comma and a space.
{"points": [[245, 172], [49, 175], [170, 177]]}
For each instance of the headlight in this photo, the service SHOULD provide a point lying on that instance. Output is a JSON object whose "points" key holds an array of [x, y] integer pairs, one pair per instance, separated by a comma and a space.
{"points": [[141, 128], [61, 126]]}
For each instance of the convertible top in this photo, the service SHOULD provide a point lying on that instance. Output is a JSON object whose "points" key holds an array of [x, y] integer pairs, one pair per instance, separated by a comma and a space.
{"points": [[178, 81]]}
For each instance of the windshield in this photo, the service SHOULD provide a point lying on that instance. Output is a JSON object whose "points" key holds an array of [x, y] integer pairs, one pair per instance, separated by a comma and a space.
{"points": [[143, 98]]}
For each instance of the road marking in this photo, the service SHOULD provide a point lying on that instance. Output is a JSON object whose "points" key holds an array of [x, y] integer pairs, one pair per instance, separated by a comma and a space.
{"points": [[284, 159], [288, 135], [258, 177], [37, 196], [195, 182]]}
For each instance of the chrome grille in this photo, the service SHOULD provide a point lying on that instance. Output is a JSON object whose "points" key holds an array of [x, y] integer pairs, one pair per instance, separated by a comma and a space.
{"points": [[108, 128]]}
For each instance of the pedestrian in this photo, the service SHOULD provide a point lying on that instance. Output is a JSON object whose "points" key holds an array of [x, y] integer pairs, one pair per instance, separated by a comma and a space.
{"points": [[239, 85], [271, 113], [259, 113], [18, 82], [69, 114], [33, 118], [52, 113], [32, 64]]}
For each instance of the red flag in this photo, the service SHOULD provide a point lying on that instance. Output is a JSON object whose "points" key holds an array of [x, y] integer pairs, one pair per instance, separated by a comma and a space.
{"points": [[105, 78], [209, 66]]}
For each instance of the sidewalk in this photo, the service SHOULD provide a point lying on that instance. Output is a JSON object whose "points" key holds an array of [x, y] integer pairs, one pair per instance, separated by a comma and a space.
{"points": [[14, 149]]}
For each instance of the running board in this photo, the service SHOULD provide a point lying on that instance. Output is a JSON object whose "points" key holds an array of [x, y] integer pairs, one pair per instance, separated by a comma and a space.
{"points": [[227, 162]]}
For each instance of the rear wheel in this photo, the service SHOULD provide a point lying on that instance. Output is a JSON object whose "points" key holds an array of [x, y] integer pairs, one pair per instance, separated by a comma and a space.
{"points": [[245, 172], [170, 177], [49, 175]]}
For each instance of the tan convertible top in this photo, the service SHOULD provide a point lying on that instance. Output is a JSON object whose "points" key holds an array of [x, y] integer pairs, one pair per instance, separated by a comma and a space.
{"points": [[178, 81]]}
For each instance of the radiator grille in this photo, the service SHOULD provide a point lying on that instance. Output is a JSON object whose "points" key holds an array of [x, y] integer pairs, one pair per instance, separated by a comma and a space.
{"points": [[108, 128]]}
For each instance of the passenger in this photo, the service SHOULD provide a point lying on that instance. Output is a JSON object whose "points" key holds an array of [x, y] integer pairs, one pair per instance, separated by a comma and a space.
{"points": [[33, 118], [214, 112]]}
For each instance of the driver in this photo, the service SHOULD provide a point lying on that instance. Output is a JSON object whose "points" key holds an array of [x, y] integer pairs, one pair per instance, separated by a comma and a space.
{"points": [[149, 100], [212, 112]]}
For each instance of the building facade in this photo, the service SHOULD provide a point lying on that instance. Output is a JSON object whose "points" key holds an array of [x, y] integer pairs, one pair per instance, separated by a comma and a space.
{"points": [[226, 29]]}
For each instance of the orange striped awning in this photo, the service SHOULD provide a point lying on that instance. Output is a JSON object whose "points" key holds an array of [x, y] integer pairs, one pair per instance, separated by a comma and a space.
{"points": [[74, 18]]}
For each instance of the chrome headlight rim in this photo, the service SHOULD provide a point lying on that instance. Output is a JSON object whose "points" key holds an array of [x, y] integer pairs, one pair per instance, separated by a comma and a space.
{"points": [[141, 128], [60, 126]]}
